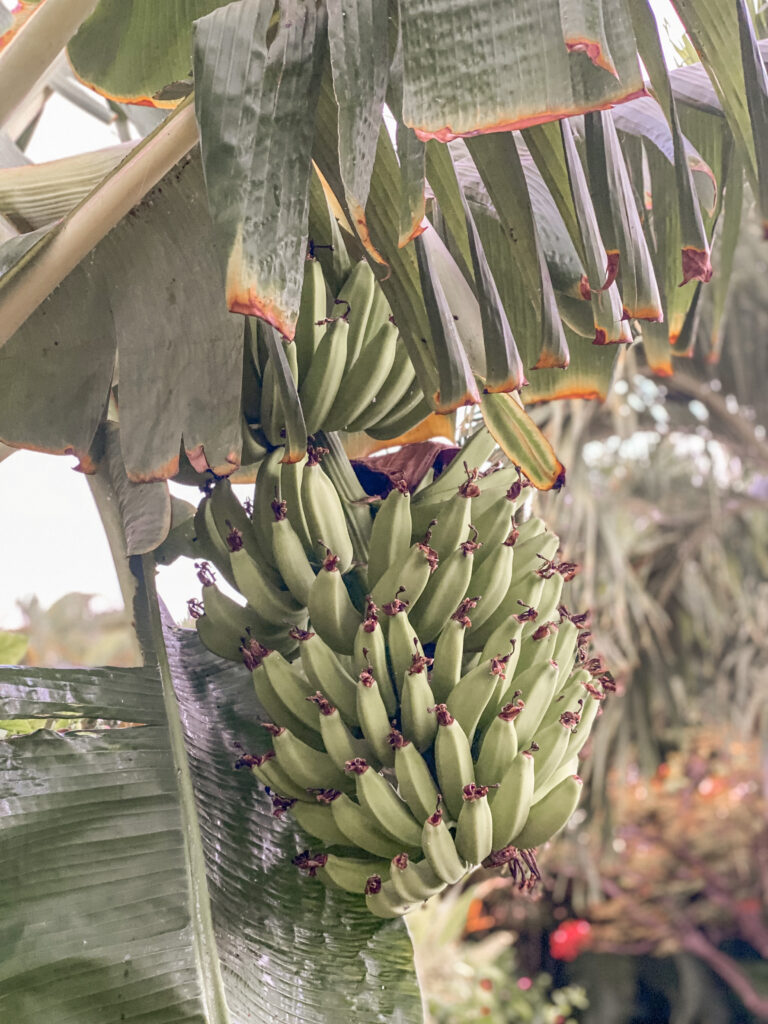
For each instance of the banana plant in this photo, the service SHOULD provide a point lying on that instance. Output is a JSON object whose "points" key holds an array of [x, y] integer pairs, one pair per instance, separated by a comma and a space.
{"points": [[493, 188]]}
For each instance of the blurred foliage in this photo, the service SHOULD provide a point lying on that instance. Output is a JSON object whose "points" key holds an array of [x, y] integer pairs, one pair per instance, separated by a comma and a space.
{"points": [[465, 980], [673, 905], [70, 633]]}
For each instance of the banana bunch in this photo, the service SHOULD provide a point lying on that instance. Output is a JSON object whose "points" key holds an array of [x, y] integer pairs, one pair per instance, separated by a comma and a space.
{"points": [[426, 709], [349, 366]]}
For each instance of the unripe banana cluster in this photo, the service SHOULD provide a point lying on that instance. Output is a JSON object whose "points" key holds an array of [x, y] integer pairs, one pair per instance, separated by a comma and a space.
{"points": [[426, 710], [351, 339]]}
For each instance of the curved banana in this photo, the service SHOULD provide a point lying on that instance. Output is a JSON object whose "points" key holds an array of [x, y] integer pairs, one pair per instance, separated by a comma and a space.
{"points": [[326, 673], [363, 380], [548, 815], [382, 899], [440, 849], [310, 768], [322, 506], [453, 524], [498, 746], [376, 795], [289, 484], [537, 688], [290, 556], [449, 581], [324, 378], [331, 611], [552, 743], [373, 718], [491, 579], [401, 639], [453, 760], [511, 802], [409, 577], [416, 701], [278, 607], [357, 292], [316, 819], [474, 828], [361, 829], [401, 378], [390, 534], [370, 651], [414, 779], [338, 741], [414, 881], [468, 699], [449, 651], [269, 773], [352, 873], [277, 708], [313, 305]]}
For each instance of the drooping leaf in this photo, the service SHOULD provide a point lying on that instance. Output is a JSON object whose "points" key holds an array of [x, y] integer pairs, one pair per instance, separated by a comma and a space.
{"points": [[694, 246], [476, 66], [498, 162], [441, 175], [256, 107], [181, 903], [619, 220], [359, 54], [295, 428], [131, 54], [325, 238], [456, 384], [657, 348], [34, 195], [522, 441], [588, 375], [145, 509], [756, 86], [56, 370], [503, 366], [411, 155]]}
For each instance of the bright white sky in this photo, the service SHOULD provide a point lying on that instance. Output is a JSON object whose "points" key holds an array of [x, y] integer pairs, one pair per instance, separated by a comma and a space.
{"points": [[50, 534]]}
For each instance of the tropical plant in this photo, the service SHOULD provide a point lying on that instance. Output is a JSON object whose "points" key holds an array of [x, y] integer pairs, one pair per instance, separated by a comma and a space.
{"points": [[504, 235]]}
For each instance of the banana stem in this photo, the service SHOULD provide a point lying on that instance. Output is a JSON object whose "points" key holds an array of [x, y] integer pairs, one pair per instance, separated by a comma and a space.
{"points": [[339, 469]]}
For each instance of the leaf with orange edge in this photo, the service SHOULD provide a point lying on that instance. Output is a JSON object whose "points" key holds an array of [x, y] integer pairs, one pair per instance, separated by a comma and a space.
{"points": [[256, 106], [657, 348], [693, 241], [589, 373], [522, 441], [456, 383], [619, 220], [138, 51], [478, 66], [56, 370], [359, 57], [498, 162], [584, 31], [358, 445]]}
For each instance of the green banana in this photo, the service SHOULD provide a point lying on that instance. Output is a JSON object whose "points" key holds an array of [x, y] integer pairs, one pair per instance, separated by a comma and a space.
{"points": [[324, 378], [382, 899], [291, 475], [381, 801], [278, 607], [373, 718], [548, 601], [338, 741], [364, 379], [401, 638], [474, 828], [454, 522], [538, 648], [290, 556], [511, 605], [310, 768], [401, 378], [357, 292], [352, 873], [552, 744], [453, 760], [537, 688], [390, 534], [449, 651], [227, 513], [208, 543], [568, 767], [271, 775], [370, 651], [416, 700], [414, 779], [292, 688], [322, 506], [412, 408], [511, 802], [326, 673], [498, 746], [414, 881], [491, 580], [278, 709], [550, 814], [475, 452], [361, 829], [468, 699], [316, 820], [589, 712], [449, 581], [440, 849], [331, 611], [409, 577], [267, 488], [312, 309]]}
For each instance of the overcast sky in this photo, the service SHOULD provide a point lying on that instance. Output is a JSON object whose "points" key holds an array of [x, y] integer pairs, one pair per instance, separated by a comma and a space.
{"points": [[52, 540]]}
